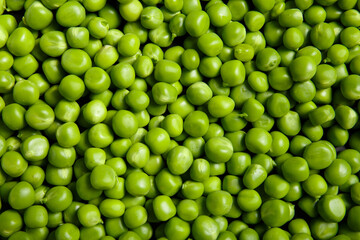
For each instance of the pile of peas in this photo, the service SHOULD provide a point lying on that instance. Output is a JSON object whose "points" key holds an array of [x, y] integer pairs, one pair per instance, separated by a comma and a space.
{"points": [[179, 119]]}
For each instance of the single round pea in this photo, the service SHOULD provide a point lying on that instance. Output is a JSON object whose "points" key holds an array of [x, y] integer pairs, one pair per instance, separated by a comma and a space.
{"points": [[315, 185], [275, 186], [322, 36], [302, 68], [219, 14], [219, 202], [258, 140], [177, 227], [295, 169], [68, 135], [36, 216], [249, 200], [105, 56], [205, 227], [13, 116], [220, 106], [293, 38], [21, 196], [197, 23], [276, 213], [11, 222], [289, 124], [20, 42], [70, 14], [53, 43], [210, 44], [254, 176], [89, 215], [151, 17], [75, 61], [13, 164], [35, 148], [267, 59], [291, 18]]}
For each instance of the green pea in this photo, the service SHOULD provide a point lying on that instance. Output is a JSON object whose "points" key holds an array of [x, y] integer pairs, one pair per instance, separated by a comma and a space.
{"points": [[20, 42], [254, 176], [89, 215], [13, 164], [173, 124], [197, 23], [11, 222], [70, 14], [317, 224], [163, 208], [276, 213], [167, 183], [21, 196], [106, 56], [249, 200], [205, 227], [267, 59], [302, 68], [75, 61], [291, 18], [275, 186]]}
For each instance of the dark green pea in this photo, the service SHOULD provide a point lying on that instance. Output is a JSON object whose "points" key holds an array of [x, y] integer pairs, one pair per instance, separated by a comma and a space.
{"points": [[89, 215], [11, 222], [21, 196], [13, 164]]}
